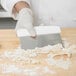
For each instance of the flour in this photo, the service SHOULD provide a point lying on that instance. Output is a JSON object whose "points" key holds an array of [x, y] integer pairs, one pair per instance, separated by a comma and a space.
{"points": [[72, 49], [45, 49], [63, 55], [32, 57], [27, 56], [7, 69], [11, 69], [47, 70], [59, 63], [32, 71]]}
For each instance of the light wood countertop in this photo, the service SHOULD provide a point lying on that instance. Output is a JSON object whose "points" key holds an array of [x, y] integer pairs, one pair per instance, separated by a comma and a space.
{"points": [[8, 40]]}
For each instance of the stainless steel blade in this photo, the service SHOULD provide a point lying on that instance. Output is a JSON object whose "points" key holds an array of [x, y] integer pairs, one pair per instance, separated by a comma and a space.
{"points": [[40, 41]]}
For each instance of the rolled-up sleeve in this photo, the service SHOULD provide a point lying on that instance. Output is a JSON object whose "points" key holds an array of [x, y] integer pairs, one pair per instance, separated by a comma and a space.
{"points": [[9, 4]]}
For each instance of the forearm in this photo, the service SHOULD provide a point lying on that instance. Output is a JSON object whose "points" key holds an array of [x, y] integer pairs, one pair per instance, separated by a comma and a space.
{"points": [[25, 17]]}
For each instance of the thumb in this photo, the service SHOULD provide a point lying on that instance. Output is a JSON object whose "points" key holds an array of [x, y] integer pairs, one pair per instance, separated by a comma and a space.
{"points": [[31, 30]]}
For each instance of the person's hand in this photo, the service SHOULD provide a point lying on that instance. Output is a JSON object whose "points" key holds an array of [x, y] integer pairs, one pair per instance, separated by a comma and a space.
{"points": [[25, 20]]}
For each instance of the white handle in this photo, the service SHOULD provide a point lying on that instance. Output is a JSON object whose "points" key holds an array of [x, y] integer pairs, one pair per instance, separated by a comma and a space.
{"points": [[40, 30]]}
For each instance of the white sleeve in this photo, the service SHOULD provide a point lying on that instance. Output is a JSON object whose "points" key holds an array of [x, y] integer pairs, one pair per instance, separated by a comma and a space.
{"points": [[9, 4]]}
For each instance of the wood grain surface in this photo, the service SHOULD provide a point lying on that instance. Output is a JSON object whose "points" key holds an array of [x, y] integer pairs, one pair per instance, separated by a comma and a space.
{"points": [[9, 40]]}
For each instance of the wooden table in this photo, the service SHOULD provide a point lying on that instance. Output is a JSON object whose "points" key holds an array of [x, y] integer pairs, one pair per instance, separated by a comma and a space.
{"points": [[8, 40], [69, 34]]}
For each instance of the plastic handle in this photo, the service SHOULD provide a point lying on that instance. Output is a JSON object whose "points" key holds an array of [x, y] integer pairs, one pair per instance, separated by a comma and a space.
{"points": [[40, 30]]}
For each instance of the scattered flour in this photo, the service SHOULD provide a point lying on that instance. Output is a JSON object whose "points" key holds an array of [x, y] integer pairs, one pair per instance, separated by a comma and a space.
{"points": [[59, 63], [10, 69], [47, 70], [7, 69], [29, 56]]}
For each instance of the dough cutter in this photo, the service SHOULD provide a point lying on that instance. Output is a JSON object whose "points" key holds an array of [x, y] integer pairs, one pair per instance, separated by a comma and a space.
{"points": [[46, 35]]}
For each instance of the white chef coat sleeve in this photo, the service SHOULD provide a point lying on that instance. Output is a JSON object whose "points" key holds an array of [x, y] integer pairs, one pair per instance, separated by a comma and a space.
{"points": [[9, 4]]}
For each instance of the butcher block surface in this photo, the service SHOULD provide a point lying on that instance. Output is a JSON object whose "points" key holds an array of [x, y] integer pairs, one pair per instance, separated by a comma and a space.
{"points": [[9, 41]]}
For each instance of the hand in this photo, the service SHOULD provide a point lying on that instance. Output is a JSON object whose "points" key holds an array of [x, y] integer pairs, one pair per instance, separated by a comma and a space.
{"points": [[25, 20]]}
